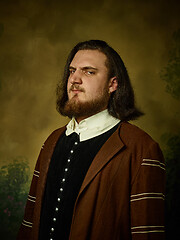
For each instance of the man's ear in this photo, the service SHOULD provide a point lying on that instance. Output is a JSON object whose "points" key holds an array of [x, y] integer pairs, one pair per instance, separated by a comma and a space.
{"points": [[113, 84]]}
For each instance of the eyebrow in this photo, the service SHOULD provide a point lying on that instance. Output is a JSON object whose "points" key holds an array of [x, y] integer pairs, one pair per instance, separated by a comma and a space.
{"points": [[84, 68]]}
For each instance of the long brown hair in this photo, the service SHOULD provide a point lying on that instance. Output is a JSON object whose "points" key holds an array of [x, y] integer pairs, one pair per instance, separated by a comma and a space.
{"points": [[121, 103]]}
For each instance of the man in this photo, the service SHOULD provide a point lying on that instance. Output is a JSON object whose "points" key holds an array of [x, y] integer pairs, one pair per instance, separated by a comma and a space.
{"points": [[99, 177]]}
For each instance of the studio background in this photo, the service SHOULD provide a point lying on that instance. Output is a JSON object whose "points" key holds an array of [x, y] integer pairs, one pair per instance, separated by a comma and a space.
{"points": [[35, 39]]}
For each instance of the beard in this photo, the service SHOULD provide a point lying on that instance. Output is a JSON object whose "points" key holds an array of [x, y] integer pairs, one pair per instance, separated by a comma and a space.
{"points": [[76, 108]]}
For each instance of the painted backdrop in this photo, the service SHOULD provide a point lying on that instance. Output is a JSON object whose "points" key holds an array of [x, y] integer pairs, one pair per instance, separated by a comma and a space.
{"points": [[35, 39]]}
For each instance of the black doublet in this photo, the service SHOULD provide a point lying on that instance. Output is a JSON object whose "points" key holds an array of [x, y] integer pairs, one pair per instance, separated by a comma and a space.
{"points": [[69, 164]]}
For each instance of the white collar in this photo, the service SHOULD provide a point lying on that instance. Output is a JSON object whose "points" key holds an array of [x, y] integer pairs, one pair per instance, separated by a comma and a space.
{"points": [[92, 126]]}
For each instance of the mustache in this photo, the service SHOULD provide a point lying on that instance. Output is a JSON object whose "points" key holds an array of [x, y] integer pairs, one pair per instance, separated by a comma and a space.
{"points": [[76, 87]]}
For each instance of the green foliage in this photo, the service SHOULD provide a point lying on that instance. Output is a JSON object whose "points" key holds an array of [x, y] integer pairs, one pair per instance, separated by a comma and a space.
{"points": [[171, 73], [172, 159], [14, 185]]}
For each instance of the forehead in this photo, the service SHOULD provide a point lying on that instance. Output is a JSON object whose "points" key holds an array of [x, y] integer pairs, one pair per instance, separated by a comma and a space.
{"points": [[93, 58]]}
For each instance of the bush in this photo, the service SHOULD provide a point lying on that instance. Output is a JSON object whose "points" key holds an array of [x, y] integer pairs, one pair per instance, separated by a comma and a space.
{"points": [[172, 159], [14, 186]]}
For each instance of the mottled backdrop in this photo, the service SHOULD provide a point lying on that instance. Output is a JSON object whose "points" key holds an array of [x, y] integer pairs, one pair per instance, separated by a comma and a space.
{"points": [[37, 35], [35, 39]]}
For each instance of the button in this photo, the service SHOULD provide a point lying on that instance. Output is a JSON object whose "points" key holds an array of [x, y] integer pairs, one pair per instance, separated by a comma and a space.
{"points": [[66, 169], [61, 189], [54, 219], [56, 209], [69, 160], [52, 229], [59, 199], [63, 180], [72, 151], [51, 238], [76, 143]]}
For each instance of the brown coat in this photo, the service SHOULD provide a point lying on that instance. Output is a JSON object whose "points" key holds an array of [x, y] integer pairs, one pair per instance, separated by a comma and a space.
{"points": [[122, 195]]}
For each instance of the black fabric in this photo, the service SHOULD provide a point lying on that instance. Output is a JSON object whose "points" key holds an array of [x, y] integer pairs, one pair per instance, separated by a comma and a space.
{"points": [[73, 172]]}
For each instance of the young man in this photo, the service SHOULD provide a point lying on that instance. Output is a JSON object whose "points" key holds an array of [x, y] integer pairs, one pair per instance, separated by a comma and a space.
{"points": [[99, 177]]}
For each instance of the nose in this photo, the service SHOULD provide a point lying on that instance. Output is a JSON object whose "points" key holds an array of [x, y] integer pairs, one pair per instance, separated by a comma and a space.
{"points": [[75, 78]]}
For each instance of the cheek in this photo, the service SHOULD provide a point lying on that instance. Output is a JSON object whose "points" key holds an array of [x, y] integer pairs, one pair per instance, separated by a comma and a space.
{"points": [[98, 89], [68, 86]]}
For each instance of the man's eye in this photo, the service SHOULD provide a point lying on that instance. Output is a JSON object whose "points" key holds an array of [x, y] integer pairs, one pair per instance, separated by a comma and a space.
{"points": [[90, 72], [71, 71]]}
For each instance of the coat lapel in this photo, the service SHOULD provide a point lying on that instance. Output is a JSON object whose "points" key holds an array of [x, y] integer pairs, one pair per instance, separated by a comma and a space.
{"points": [[105, 154]]}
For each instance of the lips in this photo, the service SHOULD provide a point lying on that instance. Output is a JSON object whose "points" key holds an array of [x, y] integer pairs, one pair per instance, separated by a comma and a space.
{"points": [[76, 91]]}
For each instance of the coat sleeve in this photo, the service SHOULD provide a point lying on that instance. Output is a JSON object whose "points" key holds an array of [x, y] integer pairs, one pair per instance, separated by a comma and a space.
{"points": [[25, 231], [147, 197]]}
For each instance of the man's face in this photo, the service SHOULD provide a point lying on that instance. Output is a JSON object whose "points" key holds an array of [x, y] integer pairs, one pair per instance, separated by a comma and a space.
{"points": [[88, 84]]}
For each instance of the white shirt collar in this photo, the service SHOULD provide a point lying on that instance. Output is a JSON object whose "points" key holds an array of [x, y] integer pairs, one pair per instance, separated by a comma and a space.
{"points": [[92, 126]]}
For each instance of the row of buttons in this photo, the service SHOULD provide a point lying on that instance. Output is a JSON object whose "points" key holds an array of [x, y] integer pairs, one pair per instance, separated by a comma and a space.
{"points": [[52, 229]]}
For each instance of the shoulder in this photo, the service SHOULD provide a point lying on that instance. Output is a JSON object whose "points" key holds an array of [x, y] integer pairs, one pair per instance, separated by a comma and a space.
{"points": [[135, 138], [54, 136], [134, 134], [49, 145], [140, 147]]}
